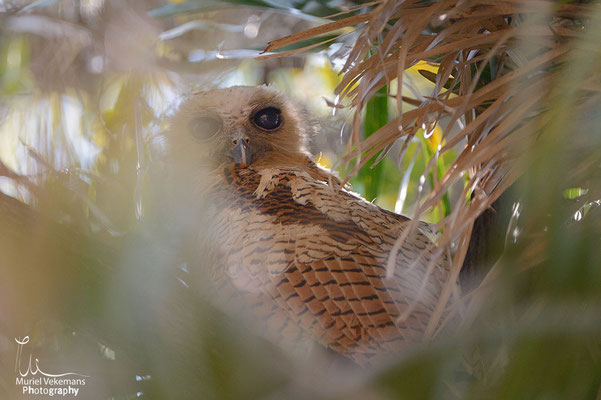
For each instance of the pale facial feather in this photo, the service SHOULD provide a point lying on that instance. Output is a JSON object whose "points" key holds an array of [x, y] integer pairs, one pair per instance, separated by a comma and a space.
{"points": [[235, 107]]}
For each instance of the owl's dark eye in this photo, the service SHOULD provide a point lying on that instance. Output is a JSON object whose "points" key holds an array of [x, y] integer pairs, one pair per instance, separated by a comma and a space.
{"points": [[268, 118], [204, 128]]}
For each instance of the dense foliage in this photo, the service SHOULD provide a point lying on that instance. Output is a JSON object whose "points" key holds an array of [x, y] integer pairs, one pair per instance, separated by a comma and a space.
{"points": [[95, 260]]}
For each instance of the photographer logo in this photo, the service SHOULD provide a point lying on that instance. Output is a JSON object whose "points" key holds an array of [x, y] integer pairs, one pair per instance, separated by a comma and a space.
{"points": [[32, 380]]}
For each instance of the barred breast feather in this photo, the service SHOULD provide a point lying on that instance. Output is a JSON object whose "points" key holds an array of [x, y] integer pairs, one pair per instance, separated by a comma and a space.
{"points": [[311, 260]]}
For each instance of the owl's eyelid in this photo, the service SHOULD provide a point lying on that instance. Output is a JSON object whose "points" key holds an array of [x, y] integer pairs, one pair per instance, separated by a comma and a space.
{"points": [[261, 105], [215, 120], [208, 114]]}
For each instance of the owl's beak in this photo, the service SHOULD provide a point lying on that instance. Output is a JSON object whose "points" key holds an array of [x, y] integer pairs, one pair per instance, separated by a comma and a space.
{"points": [[242, 153]]}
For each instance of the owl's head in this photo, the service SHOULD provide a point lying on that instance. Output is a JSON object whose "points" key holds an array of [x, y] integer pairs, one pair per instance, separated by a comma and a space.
{"points": [[240, 124]]}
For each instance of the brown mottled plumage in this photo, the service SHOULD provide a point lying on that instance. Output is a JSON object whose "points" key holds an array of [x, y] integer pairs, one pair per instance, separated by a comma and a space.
{"points": [[307, 258]]}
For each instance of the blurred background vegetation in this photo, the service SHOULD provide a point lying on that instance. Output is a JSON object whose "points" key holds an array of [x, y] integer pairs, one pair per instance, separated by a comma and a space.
{"points": [[498, 100]]}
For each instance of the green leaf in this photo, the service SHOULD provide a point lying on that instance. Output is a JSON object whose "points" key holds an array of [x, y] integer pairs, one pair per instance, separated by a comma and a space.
{"points": [[444, 207], [297, 8], [376, 116], [574, 193]]}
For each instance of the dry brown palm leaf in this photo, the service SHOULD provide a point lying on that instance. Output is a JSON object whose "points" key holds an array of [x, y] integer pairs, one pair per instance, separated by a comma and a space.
{"points": [[496, 61]]}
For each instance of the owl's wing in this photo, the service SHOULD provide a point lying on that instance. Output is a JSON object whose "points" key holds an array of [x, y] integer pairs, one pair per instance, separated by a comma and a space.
{"points": [[320, 254]]}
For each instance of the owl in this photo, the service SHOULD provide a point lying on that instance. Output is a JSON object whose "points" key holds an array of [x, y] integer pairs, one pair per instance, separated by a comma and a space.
{"points": [[304, 255]]}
